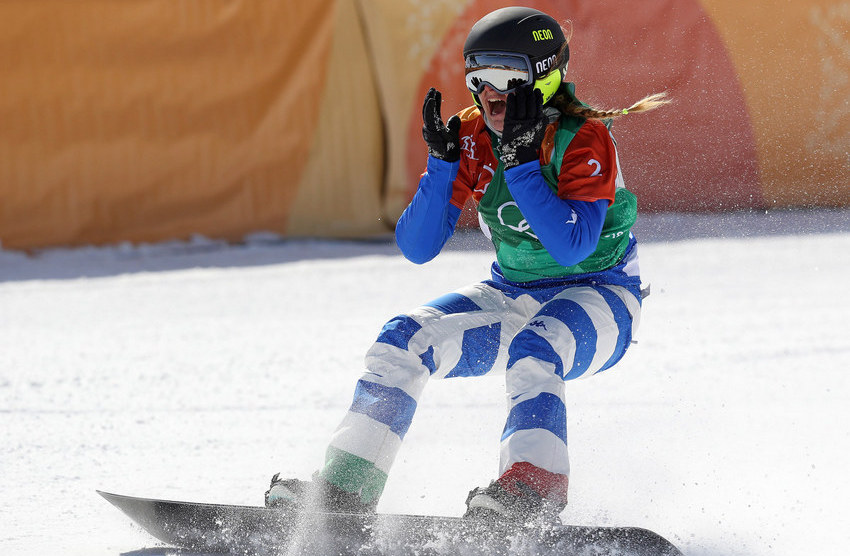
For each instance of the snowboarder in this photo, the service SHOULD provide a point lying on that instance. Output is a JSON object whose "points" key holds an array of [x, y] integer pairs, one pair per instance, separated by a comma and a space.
{"points": [[564, 298]]}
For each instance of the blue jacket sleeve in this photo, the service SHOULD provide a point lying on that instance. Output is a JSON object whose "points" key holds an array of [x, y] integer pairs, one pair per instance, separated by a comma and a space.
{"points": [[429, 220], [569, 230]]}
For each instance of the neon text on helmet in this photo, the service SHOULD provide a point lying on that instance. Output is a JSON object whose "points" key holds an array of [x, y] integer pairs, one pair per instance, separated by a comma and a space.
{"points": [[543, 66]]}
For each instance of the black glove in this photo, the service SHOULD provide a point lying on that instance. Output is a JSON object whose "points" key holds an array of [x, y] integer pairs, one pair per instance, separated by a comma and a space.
{"points": [[443, 141], [525, 126]]}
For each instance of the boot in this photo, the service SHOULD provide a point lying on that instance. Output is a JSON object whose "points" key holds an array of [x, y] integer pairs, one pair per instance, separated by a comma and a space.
{"points": [[316, 495]]}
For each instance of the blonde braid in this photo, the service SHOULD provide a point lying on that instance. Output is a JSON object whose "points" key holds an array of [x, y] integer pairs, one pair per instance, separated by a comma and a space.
{"points": [[651, 102]]}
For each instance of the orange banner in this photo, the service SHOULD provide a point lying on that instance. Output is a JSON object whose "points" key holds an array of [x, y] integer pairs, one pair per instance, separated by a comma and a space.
{"points": [[150, 120], [147, 120], [792, 60]]}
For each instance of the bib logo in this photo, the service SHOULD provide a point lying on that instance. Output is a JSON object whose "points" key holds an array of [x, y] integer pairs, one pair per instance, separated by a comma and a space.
{"points": [[508, 213], [468, 146]]}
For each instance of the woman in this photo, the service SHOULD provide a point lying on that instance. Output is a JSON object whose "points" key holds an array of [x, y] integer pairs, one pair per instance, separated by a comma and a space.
{"points": [[564, 298]]}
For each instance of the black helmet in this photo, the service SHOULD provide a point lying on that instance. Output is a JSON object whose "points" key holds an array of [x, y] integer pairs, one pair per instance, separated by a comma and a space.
{"points": [[533, 42]]}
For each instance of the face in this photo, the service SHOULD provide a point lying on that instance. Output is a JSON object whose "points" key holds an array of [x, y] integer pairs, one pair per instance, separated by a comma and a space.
{"points": [[493, 104]]}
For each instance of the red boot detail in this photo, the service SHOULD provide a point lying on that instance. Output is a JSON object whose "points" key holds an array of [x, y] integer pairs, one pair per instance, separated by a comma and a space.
{"points": [[552, 486]]}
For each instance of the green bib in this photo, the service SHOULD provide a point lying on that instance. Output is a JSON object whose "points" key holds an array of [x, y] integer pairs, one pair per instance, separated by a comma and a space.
{"points": [[519, 253]]}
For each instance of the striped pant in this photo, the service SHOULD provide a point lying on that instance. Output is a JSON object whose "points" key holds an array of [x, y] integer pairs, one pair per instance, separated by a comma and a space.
{"points": [[540, 337]]}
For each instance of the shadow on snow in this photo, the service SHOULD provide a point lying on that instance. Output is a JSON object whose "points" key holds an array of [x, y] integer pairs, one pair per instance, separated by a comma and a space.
{"points": [[269, 249]]}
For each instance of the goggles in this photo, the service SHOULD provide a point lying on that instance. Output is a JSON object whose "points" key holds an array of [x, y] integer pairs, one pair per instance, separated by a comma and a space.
{"points": [[502, 71]]}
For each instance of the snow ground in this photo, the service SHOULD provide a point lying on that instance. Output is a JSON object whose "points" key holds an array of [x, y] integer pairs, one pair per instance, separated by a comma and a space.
{"points": [[196, 370]]}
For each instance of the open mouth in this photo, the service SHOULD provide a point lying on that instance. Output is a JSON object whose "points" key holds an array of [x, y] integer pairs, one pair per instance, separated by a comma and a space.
{"points": [[496, 107]]}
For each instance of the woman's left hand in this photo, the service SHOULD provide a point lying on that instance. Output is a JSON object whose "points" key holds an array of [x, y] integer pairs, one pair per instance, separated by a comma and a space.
{"points": [[525, 126]]}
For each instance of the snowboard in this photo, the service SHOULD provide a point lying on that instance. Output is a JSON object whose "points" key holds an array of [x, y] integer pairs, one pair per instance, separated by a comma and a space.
{"points": [[259, 531]]}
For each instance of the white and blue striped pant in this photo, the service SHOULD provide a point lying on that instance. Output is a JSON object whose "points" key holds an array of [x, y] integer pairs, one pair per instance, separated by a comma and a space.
{"points": [[540, 337]]}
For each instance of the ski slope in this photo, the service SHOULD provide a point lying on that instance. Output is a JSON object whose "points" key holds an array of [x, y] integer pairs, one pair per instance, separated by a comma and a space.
{"points": [[196, 370]]}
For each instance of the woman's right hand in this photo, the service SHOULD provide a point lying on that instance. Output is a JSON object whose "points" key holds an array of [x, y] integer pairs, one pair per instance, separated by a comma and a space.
{"points": [[443, 140]]}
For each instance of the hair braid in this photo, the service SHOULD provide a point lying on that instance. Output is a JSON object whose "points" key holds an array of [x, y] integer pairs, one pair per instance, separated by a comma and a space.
{"points": [[570, 108]]}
